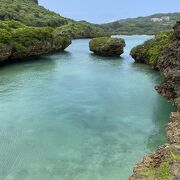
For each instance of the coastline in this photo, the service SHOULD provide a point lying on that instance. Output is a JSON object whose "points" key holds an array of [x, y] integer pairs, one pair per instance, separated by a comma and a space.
{"points": [[164, 163]]}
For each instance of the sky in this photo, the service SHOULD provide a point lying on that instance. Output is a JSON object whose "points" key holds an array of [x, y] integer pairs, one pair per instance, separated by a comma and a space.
{"points": [[102, 11]]}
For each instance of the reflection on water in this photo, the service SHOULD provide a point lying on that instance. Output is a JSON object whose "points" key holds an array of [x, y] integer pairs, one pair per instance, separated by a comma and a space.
{"points": [[77, 116]]}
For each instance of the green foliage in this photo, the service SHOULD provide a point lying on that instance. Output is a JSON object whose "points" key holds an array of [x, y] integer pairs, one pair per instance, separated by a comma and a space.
{"points": [[164, 171], [28, 35], [20, 36], [103, 40], [175, 157], [150, 51], [19, 48], [81, 30], [29, 13], [5, 36], [160, 41]]}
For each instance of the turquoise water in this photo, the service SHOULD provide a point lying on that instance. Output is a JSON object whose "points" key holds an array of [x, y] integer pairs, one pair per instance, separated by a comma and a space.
{"points": [[77, 116]]}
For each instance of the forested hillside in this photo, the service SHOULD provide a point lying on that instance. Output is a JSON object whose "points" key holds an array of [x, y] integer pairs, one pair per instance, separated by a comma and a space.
{"points": [[143, 25], [30, 13]]}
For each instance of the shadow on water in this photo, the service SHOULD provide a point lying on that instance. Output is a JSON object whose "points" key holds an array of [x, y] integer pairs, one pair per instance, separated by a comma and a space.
{"points": [[107, 58], [113, 60], [58, 56], [38, 59]]}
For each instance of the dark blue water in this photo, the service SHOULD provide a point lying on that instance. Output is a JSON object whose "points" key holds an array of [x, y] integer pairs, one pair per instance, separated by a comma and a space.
{"points": [[77, 116]]}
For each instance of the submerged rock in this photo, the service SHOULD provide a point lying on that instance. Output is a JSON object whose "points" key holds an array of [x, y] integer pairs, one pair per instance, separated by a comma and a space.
{"points": [[106, 46]]}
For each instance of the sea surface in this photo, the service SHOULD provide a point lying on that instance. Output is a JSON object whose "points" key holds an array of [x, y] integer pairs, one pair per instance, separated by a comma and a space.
{"points": [[76, 116]]}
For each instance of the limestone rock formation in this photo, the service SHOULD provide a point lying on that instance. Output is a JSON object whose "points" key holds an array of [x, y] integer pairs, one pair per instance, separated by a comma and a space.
{"points": [[169, 65], [165, 162], [150, 51], [9, 54], [24, 41], [106, 46]]}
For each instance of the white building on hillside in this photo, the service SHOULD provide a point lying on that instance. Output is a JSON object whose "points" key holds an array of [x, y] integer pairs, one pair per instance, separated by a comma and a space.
{"points": [[161, 19]]}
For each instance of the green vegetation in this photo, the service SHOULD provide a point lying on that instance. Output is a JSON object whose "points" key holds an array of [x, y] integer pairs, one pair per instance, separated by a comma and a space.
{"points": [[30, 13], [150, 51], [142, 25], [175, 157], [106, 40], [159, 173], [164, 171], [20, 36], [81, 30], [164, 166]]}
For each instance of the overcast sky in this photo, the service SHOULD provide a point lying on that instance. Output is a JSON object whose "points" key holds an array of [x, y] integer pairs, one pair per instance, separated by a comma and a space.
{"points": [[100, 11]]}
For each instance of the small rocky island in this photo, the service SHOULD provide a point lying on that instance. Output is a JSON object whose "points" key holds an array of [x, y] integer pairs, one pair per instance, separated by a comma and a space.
{"points": [[106, 46]]}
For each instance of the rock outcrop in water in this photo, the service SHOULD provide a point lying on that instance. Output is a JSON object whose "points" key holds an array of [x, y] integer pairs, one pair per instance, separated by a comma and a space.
{"points": [[165, 162], [106, 46], [19, 41]]}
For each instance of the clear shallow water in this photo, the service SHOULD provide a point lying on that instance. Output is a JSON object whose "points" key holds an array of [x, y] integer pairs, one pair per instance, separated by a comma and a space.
{"points": [[76, 116]]}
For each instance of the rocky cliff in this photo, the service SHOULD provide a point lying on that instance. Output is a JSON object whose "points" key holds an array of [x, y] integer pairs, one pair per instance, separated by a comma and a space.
{"points": [[164, 163]]}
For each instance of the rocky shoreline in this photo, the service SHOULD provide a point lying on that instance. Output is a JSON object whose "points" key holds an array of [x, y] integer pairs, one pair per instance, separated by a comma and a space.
{"points": [[8, 55], [164, 163]]}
